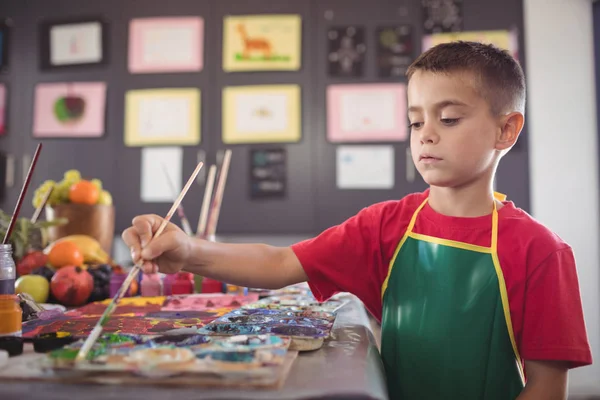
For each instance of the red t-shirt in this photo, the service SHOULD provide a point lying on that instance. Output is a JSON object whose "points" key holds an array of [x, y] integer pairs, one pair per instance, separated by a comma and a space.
{"points": [[539, 269]]}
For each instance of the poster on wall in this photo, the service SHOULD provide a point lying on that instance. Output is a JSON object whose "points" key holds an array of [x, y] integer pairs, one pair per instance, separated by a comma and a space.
{"points": [[442, 16], [268, 174], [73, 43], [346, 51], [162, 117], [161, 174], [261, 114], [395, 50], [4, 38], [365, 167], [3, 107], [262, 43], [504, 39], [366, 113], [69, 110], [172, 44]]}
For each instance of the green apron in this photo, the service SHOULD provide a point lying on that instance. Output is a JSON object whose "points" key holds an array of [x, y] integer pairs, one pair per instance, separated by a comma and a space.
{"points": [[446, 328]]}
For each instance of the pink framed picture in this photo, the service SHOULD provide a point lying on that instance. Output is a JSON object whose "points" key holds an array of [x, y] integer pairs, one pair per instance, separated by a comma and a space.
{"points": [[3, 101], [173, 44], [367, 113], [64, 110]]}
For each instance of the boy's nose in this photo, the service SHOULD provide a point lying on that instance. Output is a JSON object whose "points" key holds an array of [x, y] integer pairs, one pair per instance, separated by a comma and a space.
{"points": [[428, 134]]}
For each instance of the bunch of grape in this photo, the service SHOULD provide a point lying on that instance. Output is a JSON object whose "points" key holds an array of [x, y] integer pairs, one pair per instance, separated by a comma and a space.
{"points": [[101, 275], [60, 194]]}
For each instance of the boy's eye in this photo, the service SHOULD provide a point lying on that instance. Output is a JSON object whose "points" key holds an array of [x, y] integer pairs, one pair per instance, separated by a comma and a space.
{"points": [[450, 121], [415, 125]]}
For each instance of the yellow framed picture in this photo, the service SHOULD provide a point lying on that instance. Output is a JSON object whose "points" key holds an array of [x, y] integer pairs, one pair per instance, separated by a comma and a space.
{"points": [[262, 42], [261, 114], [162, 117]]}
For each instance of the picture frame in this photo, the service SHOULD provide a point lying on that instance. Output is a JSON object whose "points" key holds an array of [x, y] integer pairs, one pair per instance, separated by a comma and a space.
{"points": [[262, 42], [73, 43], [150, 49], [367, 112], [261, 114], [163, 117], [66, 110], [4, 44]]}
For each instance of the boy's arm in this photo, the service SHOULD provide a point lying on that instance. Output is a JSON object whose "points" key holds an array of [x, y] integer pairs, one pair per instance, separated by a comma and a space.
{"points": [[249, 265], [545, 380]]}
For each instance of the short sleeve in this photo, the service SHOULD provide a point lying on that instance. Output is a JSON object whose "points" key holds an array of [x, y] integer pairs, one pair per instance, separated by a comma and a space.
{"points": [[553, 323], [346, 258]]}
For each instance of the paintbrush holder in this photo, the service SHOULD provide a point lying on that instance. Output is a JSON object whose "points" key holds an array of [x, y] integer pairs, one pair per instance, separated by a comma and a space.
{"points": [[97, 221]]}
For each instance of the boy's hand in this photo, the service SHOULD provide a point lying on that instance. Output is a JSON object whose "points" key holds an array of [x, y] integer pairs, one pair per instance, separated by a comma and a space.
{"points": [[167, 253]]}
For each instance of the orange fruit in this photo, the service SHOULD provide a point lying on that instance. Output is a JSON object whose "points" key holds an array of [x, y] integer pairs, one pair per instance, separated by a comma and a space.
{"points": [[84, 192], [65, 253]]}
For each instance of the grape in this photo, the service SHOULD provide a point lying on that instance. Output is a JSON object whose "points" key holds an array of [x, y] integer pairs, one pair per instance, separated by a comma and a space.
{"points": [[72, 175], [97, 183]]}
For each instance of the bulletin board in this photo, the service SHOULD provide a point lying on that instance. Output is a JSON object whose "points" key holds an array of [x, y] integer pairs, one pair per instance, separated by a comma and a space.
{"points": [[316, 196]]}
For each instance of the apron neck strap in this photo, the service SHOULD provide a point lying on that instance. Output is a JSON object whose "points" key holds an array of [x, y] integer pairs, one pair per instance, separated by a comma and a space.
{"points": [[494, 246]]}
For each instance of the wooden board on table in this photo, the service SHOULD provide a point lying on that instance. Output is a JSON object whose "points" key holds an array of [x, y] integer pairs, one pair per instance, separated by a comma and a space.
{"points": [[27, 367]]}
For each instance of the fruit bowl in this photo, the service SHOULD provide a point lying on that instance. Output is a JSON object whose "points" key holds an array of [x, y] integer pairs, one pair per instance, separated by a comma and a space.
{"points": [[97, 221]]}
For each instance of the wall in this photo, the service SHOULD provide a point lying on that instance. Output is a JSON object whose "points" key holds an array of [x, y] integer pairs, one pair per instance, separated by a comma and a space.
{"points": [[563, 145], [313, 202]]}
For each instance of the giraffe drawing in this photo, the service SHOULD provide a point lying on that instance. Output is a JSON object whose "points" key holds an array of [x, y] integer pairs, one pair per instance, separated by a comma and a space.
{"points": [[253, 44]]}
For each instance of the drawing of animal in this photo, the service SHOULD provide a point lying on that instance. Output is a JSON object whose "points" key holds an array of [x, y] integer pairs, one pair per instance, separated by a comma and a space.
{"points": [[253, 44]]}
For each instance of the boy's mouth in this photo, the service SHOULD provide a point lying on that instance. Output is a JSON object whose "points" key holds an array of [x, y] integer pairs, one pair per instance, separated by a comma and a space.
{"points": [[428, 158]]}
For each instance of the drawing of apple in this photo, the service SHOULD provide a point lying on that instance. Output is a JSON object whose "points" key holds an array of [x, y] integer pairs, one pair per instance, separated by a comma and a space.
{"points": [[69, 109]]}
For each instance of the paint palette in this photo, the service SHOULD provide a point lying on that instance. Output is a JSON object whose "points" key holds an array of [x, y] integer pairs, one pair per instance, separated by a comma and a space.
{"points": [[297, 303], [176, 355], [306, 329]]}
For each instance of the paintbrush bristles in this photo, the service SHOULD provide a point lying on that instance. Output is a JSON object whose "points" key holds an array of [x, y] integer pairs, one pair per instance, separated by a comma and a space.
{"points": [[89, 342], [210, 183]]}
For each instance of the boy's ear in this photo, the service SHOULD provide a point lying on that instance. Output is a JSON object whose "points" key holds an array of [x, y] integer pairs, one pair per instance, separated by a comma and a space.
{"points": [[510, 127]]}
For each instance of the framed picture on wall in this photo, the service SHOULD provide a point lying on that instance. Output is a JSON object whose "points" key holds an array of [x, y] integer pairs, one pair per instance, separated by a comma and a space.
{"points": [[262, 114], [73, 43], [4, 45], [370, 112], [69, 110], [173, 44], [163, 117]]}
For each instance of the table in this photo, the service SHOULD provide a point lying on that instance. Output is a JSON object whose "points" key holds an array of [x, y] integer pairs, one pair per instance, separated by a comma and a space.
{"points": [[348, 366]]}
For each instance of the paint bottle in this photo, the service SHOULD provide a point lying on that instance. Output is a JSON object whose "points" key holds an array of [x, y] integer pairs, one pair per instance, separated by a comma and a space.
{"points": [[116, 280], [7, 270], [11, 315], [182, 283], [151, 285], [234, 289]]}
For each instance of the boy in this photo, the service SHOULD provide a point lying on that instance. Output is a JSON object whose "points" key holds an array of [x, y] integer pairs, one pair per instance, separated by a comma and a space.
{"points": [[477, 299]]}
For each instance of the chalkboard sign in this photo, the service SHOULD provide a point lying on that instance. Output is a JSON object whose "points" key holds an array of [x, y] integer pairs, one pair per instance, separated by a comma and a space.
{"points": [[268, 173]]}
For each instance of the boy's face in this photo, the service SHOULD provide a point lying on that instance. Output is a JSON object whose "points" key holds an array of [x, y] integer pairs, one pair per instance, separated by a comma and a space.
{"points": [[453, 132]]}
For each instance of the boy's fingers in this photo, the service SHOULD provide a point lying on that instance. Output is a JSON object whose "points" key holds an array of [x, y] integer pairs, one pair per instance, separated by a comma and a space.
{"points": [[145, 226], [157, 247], [131, 239]]}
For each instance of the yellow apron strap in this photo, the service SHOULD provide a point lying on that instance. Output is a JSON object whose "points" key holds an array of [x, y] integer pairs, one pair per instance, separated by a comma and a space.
{"points": [[499, 196]]}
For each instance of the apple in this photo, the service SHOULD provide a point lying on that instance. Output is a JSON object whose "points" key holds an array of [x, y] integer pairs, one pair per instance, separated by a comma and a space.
{"points": [[69, 108], [36, 286]]}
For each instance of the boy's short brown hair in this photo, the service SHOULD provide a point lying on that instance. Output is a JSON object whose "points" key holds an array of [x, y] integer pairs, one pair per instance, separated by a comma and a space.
{"points": [[501, 79]]}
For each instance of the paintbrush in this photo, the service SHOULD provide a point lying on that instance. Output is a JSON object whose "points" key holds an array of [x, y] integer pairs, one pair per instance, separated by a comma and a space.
{"points": [[185, 223], [93, 337], [211, 228], [15, 215], [210, 183], [38, 210]]}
